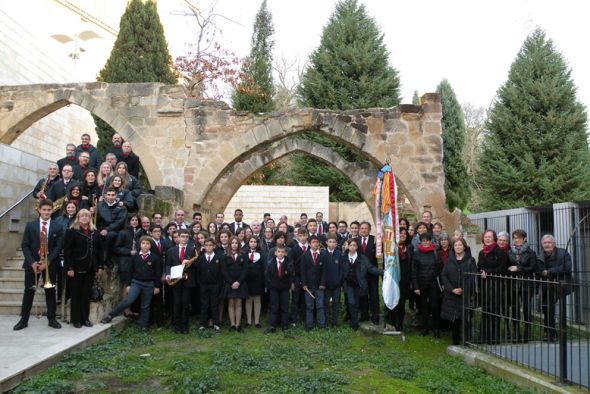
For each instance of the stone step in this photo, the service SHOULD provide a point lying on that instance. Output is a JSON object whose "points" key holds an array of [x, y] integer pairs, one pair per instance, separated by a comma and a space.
{"points": [[13, 263], [12, 272], [17, 295], [12, 283], [14, 308]]}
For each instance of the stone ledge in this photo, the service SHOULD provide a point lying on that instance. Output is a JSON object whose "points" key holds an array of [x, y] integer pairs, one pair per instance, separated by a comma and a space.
{"points": [[522, 377]]}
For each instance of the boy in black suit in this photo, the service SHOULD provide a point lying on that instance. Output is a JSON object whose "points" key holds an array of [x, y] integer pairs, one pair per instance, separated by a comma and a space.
{"points": [[366, 243], [42, 243], [182, 290], [146, 273], [208, 271], [313, 279], [334, 277], [300, 247], [279, 279]]}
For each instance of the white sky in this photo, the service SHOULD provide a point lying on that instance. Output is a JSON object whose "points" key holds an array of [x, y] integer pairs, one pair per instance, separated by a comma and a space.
{"points": [[471, 43]]}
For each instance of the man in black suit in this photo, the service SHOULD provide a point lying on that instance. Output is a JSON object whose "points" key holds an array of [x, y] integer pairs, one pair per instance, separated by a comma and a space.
{"points": [[238, 224], [366, 243], [322, 225], [38, 253], [313, 280], [279, 279], [60, 188], [131, 159], [298, 249]]}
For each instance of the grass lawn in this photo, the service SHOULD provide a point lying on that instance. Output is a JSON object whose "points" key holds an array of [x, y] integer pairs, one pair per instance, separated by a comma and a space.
{"points": [[326, 361]]}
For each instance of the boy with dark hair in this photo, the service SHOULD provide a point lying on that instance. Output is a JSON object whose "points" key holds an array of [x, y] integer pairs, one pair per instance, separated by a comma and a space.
{"points": [[298, 249], [208, 271], [313, 280], [279, 279], [334, 276]]}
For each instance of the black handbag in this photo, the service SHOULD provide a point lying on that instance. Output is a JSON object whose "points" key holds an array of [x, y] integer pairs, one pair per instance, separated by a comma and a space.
{"points": [[97, 291]]}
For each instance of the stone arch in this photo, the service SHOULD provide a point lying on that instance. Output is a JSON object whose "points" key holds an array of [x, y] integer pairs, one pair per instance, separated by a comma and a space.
{"points": [[230, 180], [40, 104]]}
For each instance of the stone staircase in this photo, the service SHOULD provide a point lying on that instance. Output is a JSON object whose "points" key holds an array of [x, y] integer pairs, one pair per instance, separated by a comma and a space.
{"points": [[12, 283]]}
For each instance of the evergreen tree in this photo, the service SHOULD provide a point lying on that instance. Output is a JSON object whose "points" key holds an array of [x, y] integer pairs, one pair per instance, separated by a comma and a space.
{"points": [[140, 54], [350, 69], [453, 134], [255, 92], [416, 98], [535, 150]]}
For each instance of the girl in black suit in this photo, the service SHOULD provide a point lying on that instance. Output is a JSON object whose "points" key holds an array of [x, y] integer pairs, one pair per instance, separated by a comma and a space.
{"points": [[234, 271], [82, 251], [255, 281]]}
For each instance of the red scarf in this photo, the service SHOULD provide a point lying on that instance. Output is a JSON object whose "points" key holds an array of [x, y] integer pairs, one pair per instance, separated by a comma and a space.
{"points": [[402, 252], [424, 249], [505, 248], [487, 249], [444, 255], [85, 146]]}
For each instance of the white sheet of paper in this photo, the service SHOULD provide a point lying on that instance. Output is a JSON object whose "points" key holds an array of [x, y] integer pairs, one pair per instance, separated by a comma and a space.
{"points": [[176, 271]]}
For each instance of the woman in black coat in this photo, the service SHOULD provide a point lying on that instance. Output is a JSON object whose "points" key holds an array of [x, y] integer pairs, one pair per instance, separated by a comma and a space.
{"points": [[457, 286], [234, 270], [90, 189], [491, 261], [255, 281], [126, 247], [405, 282], [426, 268], [82, 251]]}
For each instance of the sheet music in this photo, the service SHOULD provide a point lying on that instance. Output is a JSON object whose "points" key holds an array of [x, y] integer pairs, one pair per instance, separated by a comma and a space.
{"points": [[176, 271]]}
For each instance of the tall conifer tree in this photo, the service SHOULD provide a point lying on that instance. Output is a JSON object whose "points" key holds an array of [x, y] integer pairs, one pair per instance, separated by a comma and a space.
{"points": [[255, 93], [453, 134], [536, 149], [140, 54]]}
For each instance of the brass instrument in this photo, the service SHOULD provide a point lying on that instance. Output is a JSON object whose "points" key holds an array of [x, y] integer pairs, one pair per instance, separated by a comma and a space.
{"points": [[47, 281], [42, 195], [185, 270], [57, 204], [95, 209]]}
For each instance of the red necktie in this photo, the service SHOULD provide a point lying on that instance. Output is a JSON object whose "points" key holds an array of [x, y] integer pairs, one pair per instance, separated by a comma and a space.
{"points": [[331, 254], [280, 271], [364, 244], [159, 247], [252, 257], [144, 257], [320, 228], [182, 254], [304, 248], [43, 240], [208, 259], [315, 258]]}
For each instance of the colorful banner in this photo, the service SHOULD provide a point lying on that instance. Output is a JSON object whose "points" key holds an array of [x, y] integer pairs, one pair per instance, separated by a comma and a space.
{"points": [[387, 236]]}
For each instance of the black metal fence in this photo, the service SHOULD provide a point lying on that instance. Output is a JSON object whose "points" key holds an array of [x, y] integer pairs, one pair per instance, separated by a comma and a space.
{"points": [[530, 321]]}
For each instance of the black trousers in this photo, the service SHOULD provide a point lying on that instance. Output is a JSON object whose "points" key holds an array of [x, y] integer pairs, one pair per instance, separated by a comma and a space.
{"points": [[398, 314], [80, 289], [29, 294], [371, 300], [182, 300], [430, 307], [209, 304], [279, 307], [157, 308], [168, 301], [109, 245], [297, 304]]}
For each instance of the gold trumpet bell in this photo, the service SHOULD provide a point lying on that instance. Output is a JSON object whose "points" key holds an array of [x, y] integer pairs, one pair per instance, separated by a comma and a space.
{"points": [[48, 285]]}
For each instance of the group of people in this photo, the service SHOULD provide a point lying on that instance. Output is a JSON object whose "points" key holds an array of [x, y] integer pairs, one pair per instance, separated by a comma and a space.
{"points": [[300, 272]]}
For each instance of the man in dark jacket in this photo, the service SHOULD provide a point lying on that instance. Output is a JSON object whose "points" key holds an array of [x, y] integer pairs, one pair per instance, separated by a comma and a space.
{"points": [[131, 159], [85, 146], [555, 265], [110, 220], [367, 248], [313, 280]]}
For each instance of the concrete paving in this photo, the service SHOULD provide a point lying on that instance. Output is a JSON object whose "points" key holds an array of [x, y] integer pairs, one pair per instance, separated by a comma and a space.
{"points": [[28, 352]]}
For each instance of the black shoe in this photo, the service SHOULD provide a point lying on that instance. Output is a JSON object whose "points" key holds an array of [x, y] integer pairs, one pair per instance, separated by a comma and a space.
{"points": [[424, 332], [22, 323], [233, 328], [375, 321], [54, 324], [239, 329], [258, 325], [87, 323], [248, 325], [270, 330], [107, 319], [77, 325]]}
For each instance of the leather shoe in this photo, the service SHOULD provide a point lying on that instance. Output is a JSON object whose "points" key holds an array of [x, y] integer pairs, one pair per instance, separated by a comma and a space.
{"points": [[78, 325], [87, 323], [22, 323], [54, 324], [270, 330], [107, 319]]}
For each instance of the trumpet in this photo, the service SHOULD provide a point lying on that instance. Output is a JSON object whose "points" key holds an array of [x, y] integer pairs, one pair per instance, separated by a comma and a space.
{"points": [[95, 209], [185, 270], [46, 281]]}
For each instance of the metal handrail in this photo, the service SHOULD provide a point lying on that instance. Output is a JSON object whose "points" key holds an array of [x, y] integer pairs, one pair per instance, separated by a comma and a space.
{"points": [[16, 203]]}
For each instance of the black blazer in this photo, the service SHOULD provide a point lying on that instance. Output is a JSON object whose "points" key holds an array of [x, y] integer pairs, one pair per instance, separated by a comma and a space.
{"points": [[58, 189], [271, 274], [149, 270], [209, 273], [232, 226], [39, 185], [110, 218], [32, 241], [312, 276], [371, 252], [234, 271], [173, 259], [126, 241], [132, 161], [64, 160], [295, 255], [82, 252]]}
